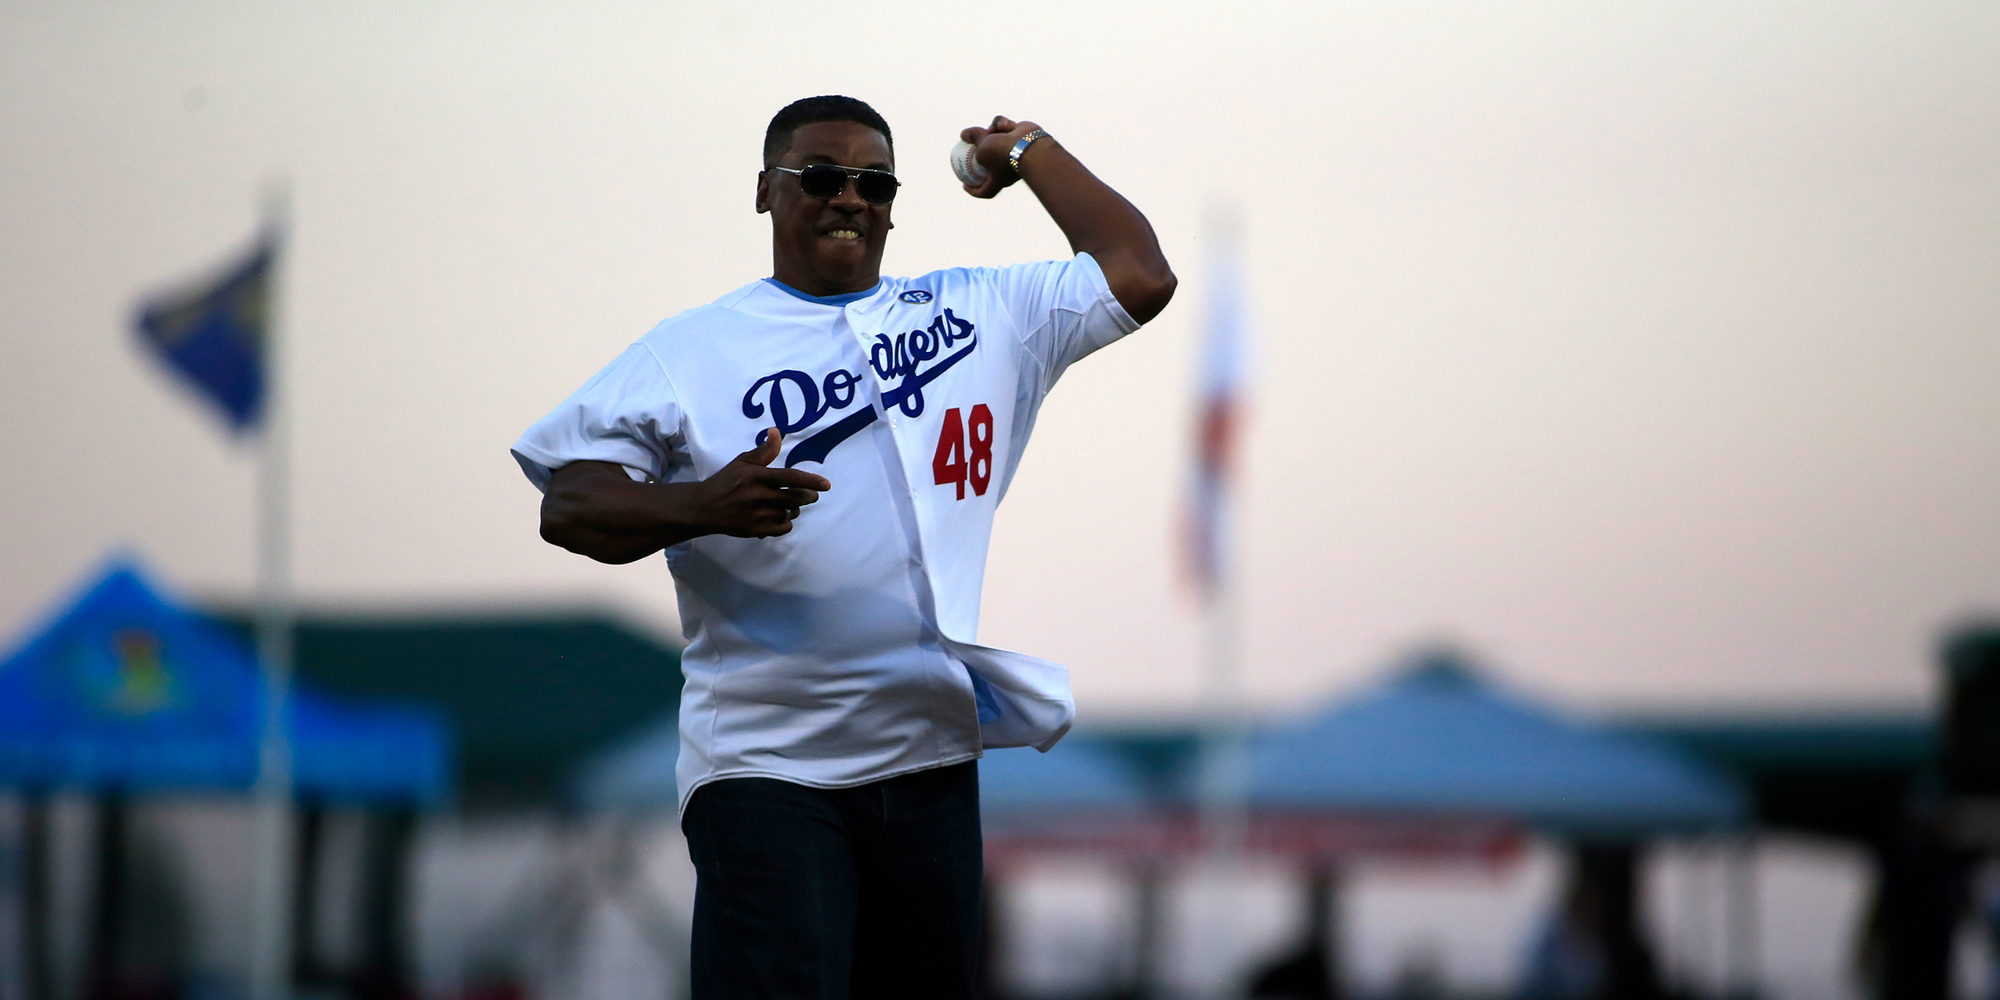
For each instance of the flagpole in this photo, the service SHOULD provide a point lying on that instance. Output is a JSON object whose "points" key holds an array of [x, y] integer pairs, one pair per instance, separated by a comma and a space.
{"points": [[1224, 811], [1223, 806], [271, 889]]}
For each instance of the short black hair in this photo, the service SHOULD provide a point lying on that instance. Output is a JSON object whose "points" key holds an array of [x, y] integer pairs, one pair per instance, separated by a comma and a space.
{"points": [[812, 111]]}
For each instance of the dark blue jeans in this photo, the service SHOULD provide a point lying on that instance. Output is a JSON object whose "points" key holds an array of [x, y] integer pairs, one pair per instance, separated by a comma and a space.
{"points": [[866, 893]]}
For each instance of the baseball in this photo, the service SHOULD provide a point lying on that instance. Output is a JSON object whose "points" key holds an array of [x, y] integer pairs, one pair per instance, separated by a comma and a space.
{"points": [[968, 169]]}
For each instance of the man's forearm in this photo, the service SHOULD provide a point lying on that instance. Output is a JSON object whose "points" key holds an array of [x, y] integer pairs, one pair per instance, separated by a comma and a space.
{"points": [[603, 546], [1100, 222], [594, 509]]}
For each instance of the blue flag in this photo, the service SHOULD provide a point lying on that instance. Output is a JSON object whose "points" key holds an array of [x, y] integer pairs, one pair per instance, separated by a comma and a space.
{"points": [[214, 334]]}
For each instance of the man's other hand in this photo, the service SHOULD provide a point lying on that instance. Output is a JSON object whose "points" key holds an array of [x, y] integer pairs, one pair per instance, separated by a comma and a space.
{"points": [[749, 499], [595, 509]]}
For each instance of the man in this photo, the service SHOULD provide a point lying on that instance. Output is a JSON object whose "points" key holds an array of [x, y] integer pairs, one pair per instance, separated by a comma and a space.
{"points": [[836, 699]]}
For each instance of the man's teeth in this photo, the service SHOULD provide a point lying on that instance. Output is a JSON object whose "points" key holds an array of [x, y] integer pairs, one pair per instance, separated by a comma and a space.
{"points": [[844, 234]]}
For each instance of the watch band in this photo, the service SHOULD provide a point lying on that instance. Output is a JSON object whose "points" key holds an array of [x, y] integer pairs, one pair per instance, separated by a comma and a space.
{"points": [[1021, 149]]}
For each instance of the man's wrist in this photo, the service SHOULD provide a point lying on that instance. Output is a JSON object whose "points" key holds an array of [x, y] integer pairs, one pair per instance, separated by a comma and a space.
{"points": [[1021, 147], [679, 509]]}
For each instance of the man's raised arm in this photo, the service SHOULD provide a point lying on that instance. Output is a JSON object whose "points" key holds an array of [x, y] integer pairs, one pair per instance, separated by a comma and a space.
{"points": [[1097, 220], [595, 509]]}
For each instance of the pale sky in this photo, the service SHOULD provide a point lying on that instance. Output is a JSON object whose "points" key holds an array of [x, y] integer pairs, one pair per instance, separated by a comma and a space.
{"points": [[1648, 350]]}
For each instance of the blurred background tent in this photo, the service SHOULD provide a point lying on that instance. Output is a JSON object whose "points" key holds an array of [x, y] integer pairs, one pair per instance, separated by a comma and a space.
{"points": [[1439, 738], [1078, 773], [126, 693], [531, 694]]}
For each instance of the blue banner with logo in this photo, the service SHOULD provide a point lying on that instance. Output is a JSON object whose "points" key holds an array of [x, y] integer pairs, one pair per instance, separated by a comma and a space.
{"points": [[213, 334], [126, 691]]}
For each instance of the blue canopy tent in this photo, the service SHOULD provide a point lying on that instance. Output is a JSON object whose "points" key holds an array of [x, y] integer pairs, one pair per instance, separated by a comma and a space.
{"points": [[1439, 741], [1437, 738], [126, 692], [1075, 774]]}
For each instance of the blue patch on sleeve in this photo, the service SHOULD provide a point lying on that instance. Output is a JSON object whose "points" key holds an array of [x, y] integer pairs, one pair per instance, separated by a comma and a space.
{"points": [[982, 695]]}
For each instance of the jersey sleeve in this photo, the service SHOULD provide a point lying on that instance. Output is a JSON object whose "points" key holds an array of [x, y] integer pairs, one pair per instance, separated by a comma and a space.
{"points": [[627, 414], [1065, 310]]}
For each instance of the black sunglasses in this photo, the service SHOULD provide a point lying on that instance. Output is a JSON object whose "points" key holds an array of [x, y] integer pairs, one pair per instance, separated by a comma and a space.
{"points": [[825, 181]]}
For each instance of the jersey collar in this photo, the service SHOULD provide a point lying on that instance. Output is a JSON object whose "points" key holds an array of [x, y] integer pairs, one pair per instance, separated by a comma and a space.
{"points": [[826, 300]]}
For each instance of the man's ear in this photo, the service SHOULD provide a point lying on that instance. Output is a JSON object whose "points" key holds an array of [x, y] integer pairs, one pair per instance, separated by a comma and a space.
{"points": [[763, 191]]}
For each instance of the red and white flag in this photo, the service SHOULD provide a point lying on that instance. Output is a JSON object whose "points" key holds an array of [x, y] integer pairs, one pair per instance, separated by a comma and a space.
{"points": [[1219, 403]]}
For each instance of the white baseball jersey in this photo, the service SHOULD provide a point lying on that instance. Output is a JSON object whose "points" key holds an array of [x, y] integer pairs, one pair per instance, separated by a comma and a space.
{"points": [[846, 651]]}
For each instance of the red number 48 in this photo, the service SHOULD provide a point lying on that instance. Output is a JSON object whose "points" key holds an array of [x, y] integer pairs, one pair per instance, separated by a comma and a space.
{"points": [[955, 462]]}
